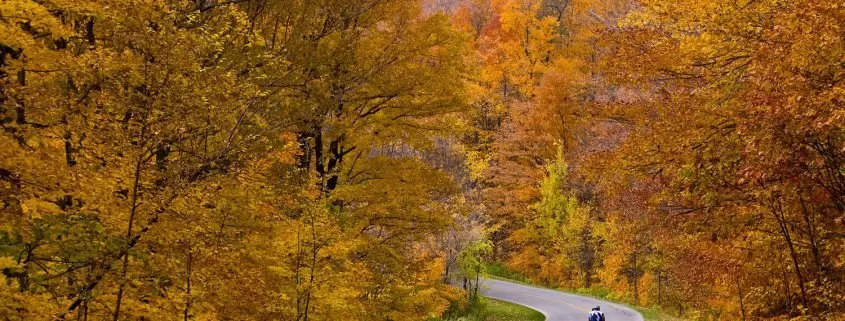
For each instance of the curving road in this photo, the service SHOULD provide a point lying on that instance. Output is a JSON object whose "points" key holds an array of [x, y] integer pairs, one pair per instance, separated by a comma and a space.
{"points": [[555, 305]]}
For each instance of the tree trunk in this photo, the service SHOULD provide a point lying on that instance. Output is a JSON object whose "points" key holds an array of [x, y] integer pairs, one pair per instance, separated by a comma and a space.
{"points": [[132, 210], [315, 250], [739, 291], [659, 288], [814, 246], [778, 212], [786, 290], [188, 285], [477, 279], [636, 289]]}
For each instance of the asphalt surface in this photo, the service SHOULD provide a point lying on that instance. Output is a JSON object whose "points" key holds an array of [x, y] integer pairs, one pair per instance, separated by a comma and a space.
{"points": [[555, 305]]}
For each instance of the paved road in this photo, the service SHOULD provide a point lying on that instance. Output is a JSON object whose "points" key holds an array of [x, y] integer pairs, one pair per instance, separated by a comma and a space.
{"points": [[557, 306]]}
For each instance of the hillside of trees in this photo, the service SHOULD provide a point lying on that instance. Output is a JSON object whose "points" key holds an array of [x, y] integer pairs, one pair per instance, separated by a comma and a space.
{"points": [[351, 159]]}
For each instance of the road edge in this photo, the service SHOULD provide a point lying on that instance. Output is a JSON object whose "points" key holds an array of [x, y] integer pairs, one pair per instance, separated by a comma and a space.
{"points": [[545, 314]]}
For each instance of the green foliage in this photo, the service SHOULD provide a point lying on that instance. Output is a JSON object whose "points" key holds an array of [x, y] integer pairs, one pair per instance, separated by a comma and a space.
{"points": [[471, 259], [558, 245], [499, 270]]}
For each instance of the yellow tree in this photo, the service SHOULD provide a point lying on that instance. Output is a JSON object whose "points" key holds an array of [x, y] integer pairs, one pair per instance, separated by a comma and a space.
{"points": [[374, 83], [115, 114]]}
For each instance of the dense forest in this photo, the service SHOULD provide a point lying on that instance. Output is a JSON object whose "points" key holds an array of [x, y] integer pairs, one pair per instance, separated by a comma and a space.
{"points": [[350, 159]]}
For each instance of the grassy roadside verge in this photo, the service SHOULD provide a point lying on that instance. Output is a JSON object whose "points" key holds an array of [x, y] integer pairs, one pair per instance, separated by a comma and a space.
{"points": [[505, 311], [500, 272], [494, 310]]}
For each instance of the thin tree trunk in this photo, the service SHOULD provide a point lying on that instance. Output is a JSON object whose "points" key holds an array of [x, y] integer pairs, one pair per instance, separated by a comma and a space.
{"points": [[547, 269], [477, 279], [636, 289], [659, 288], [586, 254], [314, 252], [446, 274], [298, 269], [786, 290], [814, 246], [739, 291], [188, 285], [133, 209], [778, 212]]}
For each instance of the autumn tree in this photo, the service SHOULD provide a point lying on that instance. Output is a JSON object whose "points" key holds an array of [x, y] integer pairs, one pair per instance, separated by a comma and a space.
{"points": [[205, 159], [747, 157]]}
